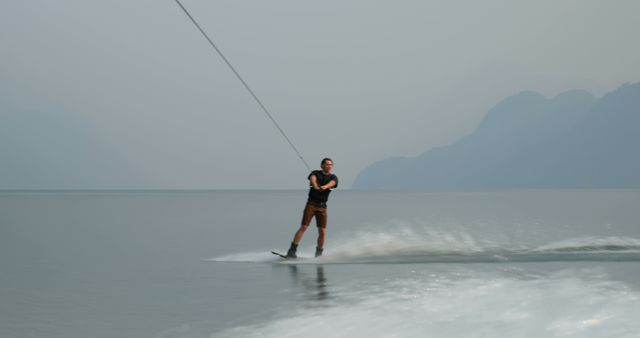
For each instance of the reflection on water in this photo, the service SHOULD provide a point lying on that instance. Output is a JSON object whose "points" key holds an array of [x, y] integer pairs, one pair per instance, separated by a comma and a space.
{"points": [[315, 287]]}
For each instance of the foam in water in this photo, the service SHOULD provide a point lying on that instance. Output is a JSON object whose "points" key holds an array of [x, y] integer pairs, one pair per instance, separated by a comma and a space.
{"points": [[247, 257], [400, 243], [407, 240], [254, 257], [593, 244], [567, 304], [405, 244]]}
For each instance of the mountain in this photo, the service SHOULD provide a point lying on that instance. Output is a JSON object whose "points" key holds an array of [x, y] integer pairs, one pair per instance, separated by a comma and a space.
{"points": [[573, 140]]}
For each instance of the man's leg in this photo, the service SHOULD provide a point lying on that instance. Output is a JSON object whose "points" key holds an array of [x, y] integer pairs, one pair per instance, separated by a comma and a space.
{"points": [[296, 239], [321, 235], [321, 221], [298, 236], [307, 214]]}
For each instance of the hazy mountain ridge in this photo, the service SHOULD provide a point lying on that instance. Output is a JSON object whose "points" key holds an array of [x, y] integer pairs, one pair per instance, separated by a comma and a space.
{"points": [[573, 140]]}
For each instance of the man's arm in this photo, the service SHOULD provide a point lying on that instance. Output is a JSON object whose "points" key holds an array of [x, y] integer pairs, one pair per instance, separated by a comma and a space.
{"points": [[329, 185], [314, 182]]}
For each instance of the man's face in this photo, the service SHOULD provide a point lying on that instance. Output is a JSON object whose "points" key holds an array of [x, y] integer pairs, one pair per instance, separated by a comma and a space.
{"points": [[327, 166]]}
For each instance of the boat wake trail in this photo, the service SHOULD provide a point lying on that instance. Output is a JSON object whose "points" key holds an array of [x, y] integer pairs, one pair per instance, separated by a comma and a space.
{"points": [[467, 251], [385, 249]]}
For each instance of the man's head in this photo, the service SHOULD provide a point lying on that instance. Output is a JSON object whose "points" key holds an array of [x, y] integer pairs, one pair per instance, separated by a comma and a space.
{"points": [[326, 165]]}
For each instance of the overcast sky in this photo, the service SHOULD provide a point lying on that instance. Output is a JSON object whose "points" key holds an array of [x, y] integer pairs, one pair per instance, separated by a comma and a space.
{"points": [[357, 81]]}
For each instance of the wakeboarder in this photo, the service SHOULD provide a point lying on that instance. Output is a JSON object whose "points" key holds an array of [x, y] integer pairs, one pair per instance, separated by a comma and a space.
{"points": [[321, 182]]}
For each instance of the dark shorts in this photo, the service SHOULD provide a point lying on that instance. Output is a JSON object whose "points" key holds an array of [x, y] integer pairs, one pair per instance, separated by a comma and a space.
{"points": [[315, 209]]}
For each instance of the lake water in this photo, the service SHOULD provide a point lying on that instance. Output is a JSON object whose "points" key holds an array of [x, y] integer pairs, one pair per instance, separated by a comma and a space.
{"points": [[396, 264]]}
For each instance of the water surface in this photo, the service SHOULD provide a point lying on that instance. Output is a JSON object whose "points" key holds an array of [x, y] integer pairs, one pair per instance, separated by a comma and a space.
{"points": [[197, 264]]}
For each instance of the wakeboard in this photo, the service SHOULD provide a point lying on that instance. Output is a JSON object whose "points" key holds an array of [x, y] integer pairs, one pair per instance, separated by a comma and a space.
{"points": [[285, 256]]}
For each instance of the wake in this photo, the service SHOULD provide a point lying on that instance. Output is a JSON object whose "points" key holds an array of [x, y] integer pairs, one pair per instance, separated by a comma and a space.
{"points": [[393, 251]]}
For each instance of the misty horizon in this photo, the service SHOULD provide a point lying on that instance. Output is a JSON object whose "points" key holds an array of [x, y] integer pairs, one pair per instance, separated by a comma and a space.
{"points": [[130, 96]]}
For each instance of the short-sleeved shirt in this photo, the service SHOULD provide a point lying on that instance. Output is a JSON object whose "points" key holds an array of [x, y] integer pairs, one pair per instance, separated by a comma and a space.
{"points": [[322, 179]]}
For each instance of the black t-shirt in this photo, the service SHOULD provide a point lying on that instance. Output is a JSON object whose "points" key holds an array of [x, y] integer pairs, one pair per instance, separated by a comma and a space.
{"points": [[322, 179]]}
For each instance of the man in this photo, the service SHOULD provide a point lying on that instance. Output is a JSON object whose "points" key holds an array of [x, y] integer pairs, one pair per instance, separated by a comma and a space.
{"points": [[321, 182]]}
